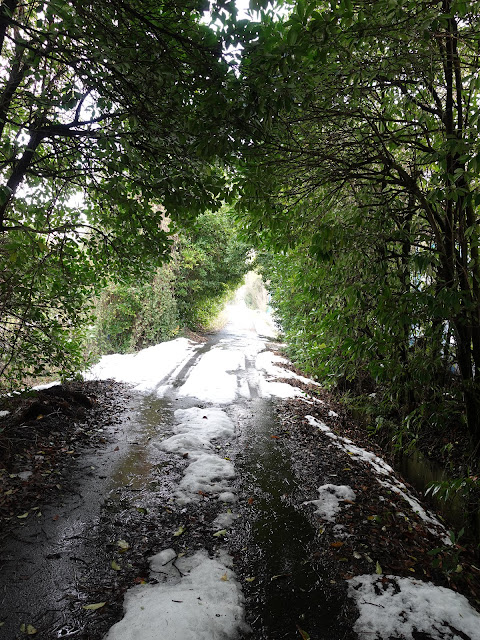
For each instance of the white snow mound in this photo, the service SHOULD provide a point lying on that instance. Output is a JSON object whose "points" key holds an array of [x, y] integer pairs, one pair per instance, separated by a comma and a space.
{"points": [[397, 607], [198, 599], [149, 369], [331, 499]]}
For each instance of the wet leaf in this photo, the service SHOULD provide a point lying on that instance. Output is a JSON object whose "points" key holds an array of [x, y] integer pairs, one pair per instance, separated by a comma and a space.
{"points": [[224, 577], [378, 568], [94, 607], [337, 545], [29, 629], [219, 534], [123, 545], [24, 515], [303, 633], [115, 566], [179, 531], [250, 579]]}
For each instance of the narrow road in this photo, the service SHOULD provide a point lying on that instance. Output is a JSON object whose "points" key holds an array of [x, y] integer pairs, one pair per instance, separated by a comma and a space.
{"points": [[226, 504]]}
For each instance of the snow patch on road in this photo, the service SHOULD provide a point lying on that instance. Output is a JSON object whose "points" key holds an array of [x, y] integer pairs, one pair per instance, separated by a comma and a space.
{"points": [[399, 607], [208, 473], [331, 499], [197, 598], [213, 379], [148, 368]]}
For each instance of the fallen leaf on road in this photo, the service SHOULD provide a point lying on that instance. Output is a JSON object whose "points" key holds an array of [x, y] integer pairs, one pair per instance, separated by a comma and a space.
{"points": [[115, 566], [24, 515], [250, 579], [219, 534], [378, 568], [94, 607], [179, 532], [303, 633], [123, 545], [336, 545], [28, 629], [224, 577]]}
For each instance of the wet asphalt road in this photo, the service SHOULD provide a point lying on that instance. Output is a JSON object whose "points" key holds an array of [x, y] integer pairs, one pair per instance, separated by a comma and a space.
{"points": [[43, 563]]}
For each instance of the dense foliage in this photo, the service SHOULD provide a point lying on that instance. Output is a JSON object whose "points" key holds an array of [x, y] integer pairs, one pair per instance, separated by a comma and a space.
{"points": [[365, 183], [106, 108], [208, 262]]}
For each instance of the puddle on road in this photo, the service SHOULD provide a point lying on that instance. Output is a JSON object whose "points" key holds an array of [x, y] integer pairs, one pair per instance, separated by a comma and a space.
{"points": [[293, 586], [134, 468]]}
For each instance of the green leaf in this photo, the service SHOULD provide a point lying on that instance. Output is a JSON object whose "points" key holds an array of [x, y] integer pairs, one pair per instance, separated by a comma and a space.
{"points": [[123, 545], [304, 634], [179, 531], [378, 568], [94, 607]]}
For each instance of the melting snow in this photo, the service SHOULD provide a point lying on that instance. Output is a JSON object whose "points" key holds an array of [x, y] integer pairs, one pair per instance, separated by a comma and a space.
{"points": [[401, 607], [197, 598], [196, 429], [148, 370], [383, 471], [266, 361], [332, 498], [212, 378]]}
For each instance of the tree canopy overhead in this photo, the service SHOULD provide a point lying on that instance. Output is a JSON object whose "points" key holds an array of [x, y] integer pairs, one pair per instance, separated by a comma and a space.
{"points": [[369, 129], [106, 110]]}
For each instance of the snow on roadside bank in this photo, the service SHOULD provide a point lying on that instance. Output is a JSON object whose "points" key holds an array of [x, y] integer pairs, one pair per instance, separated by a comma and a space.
{"points": [[196, 598], [393, 607], [332, 497], [149, 369], [383, 473]]}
